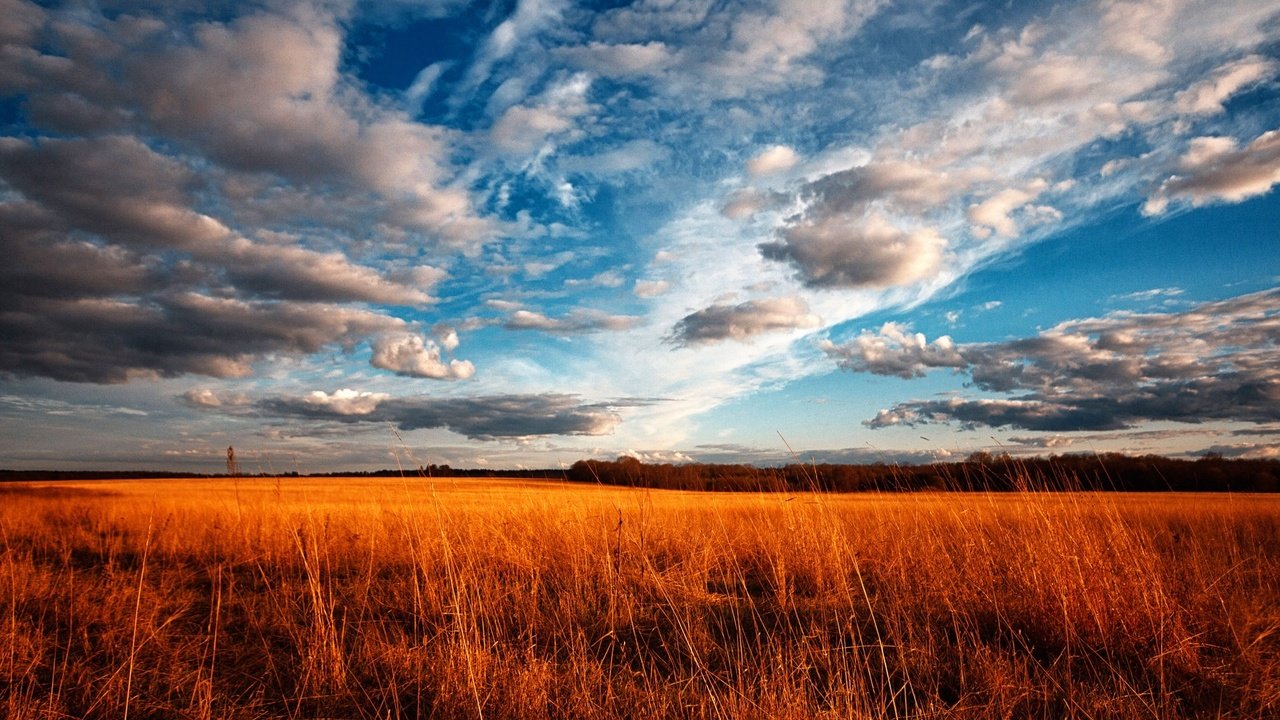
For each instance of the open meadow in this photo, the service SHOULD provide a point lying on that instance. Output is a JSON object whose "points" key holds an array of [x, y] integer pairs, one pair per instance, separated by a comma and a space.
{"points": [[470, 598]]}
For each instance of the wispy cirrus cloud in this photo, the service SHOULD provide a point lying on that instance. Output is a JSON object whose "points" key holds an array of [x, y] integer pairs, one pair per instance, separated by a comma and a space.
{"points": [[1033, 96], [576, 321]]}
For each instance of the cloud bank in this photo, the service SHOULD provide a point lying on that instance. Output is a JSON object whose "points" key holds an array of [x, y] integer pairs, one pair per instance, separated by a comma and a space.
{"points": [[1214, 361], [479, 418]]}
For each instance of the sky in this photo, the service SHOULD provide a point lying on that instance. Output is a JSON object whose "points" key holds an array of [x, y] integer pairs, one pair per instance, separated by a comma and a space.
{"points": [[516, 234]]}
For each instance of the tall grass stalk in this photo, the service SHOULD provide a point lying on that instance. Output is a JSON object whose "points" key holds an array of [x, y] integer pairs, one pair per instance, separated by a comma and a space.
{"points": [[137, 609], [450, 598]]}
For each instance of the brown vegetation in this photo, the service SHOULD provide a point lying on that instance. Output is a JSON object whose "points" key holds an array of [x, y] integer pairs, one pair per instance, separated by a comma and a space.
{"points": [[258, 598], [981, 471]]}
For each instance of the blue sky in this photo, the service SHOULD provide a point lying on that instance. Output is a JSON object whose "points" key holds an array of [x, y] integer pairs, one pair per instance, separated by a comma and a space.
{"points": [[516, 234]]}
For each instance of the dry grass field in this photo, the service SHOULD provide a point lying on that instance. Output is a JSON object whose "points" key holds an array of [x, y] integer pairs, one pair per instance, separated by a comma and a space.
{"points": [[359, 598]]}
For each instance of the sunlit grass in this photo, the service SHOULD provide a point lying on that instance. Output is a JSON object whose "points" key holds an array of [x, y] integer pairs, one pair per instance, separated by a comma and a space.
{"points": [[500, 598]]}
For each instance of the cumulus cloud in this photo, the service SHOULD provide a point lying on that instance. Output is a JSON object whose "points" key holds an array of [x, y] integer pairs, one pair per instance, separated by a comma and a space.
{"points": [[1216, 169], [904, 185], [113, 186], [1213, 361], [414, 356], [480, 418], [1017, 104], [862, 252], [448, 337], [772, 160], [110, 340], [312, 191], [301, 274], [859, 227], [156, 143], [894, 351], [264, 93], [206, 398], [744, 203], [172, 290], [742, 321], [345, 401], [996, 212], [674, 457]]}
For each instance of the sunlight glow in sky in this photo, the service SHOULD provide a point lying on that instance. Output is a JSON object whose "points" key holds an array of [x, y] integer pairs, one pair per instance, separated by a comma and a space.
{"points": [[517, 234]]}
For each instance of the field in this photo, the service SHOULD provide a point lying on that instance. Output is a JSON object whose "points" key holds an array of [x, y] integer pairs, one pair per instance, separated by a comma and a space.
{"points": [[359, 598]]}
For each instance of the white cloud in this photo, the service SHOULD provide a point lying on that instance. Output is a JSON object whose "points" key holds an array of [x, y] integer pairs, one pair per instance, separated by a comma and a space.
{"points": [[711, 51], [894, 351], [952, 149], [207, 398], [1054, 79], [411, 355], [619, 60], [576, 321], [995, 213], [345, 401], [1216, 169], [744, 203], [1139, 28], [1209, 362], [859, 252], [740, 322], [522, 129], [448, 338], [604, 279], [424, 84], [651, 288], [772, 160], [1207, 96], [479, 418], [630, 156], [529, 19], [264, 93], [673, 457]]}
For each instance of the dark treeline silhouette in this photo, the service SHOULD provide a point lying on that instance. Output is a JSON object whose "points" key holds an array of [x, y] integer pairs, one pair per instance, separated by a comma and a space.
{"points": [[980, 471], [427, 471]]}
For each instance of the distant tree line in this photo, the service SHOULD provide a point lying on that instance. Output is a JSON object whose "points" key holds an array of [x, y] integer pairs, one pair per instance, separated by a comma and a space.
{"points": [[447, 471], [980, 471]]}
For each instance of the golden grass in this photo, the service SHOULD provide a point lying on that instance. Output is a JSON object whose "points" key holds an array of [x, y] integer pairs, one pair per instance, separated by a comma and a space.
{"points": [[299, 598]]}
